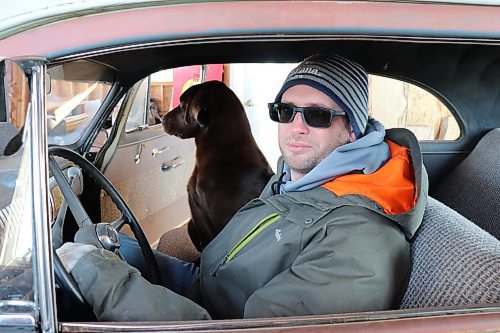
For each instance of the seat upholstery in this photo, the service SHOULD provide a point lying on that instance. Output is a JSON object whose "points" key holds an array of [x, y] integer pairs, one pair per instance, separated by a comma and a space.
{"points": [[454, 262], [473, 187], [177, 243]]}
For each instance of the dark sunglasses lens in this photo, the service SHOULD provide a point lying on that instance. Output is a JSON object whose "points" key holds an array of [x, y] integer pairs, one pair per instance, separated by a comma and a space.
{"points": [[316, 117], [285, 113], [281, 113], [273, 111]]}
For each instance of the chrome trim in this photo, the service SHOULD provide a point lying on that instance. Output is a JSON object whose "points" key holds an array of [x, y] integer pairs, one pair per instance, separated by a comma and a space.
{"points": [[44, 277], [16, 322], [108, 236], [284, 324], [135, 143], [18, 304]]}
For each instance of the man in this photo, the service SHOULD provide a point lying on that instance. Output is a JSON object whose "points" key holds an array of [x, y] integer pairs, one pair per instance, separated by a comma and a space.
{"points": [[154, 111], [329, 233]]}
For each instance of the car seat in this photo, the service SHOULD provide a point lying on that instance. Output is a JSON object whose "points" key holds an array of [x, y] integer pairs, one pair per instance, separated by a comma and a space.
{"points": [[473, 187], [177, 243], [454, 262]]}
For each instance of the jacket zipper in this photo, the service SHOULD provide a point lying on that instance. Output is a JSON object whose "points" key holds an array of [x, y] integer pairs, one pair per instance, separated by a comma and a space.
{"points": [[264, 223]]}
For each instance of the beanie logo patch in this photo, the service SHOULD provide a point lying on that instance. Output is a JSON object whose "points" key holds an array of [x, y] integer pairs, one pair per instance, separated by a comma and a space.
{"points": [[305, 69]]}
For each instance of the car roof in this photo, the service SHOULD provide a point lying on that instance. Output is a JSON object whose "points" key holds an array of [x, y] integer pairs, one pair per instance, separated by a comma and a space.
{"points": [[23, 15], [76, 31], [19, 16]]}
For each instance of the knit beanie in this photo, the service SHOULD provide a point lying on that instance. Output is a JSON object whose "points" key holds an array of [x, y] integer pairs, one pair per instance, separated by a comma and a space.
{"points": [[342, 80]]}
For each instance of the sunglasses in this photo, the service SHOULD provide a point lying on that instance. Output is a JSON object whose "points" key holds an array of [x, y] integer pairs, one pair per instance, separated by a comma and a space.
{"points": [[312, 116]]}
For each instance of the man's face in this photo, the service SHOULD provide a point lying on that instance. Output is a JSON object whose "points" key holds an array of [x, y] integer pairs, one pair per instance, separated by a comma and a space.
{"points": [[303, 147]]}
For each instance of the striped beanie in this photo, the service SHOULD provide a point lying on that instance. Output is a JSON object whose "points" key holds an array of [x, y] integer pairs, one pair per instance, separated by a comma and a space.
{"points": [[342, 80]]}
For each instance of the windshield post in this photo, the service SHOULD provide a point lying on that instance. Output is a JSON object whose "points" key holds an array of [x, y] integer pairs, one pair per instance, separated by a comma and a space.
{"points": [[44, 277]]}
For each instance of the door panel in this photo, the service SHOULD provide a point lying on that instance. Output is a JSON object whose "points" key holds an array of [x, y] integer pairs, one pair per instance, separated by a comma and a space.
{"points": [[150, 169]]}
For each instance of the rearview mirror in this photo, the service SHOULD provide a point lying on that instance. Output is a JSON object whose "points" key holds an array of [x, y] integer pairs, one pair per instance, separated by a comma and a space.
{"points": [[14, 101]]}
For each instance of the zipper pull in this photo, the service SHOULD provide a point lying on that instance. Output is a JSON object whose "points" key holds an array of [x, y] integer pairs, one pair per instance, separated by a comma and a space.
{"points": [[214, 273]]}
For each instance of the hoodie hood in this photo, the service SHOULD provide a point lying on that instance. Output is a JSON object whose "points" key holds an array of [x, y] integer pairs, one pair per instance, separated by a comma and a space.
{"points": [[392, 186], [365, 155]]}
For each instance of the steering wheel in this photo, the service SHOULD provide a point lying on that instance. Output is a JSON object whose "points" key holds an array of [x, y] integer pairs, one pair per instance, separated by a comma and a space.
{"points": [[102, 235]]}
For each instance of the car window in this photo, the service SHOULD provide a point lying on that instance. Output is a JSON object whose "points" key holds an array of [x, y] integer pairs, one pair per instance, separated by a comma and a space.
{"points": [[396, 103], [16, 196], [417, 109], [160, 92], [138, 111], [76, 91]]}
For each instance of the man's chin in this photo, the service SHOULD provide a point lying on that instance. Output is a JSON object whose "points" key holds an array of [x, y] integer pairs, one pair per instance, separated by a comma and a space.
{"points": [[300, 165]]}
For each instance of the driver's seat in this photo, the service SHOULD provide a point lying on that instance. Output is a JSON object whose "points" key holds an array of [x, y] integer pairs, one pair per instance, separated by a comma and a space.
{"points": [[454, 262]]}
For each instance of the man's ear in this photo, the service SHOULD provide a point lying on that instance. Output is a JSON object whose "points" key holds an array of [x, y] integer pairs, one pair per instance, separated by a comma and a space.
{"points": [[352, 135]]}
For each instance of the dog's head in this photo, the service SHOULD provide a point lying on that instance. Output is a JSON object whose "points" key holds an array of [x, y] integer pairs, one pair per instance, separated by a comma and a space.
{"points": [[199, 106]]}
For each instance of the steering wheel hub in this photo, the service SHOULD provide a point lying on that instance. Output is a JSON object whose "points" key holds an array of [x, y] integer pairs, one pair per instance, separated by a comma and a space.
{"points": [[108, 236]]}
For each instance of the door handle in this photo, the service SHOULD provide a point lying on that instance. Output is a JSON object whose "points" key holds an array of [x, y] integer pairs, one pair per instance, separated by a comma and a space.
{"points": [[172, 164], [157, 151], [137, 157]]}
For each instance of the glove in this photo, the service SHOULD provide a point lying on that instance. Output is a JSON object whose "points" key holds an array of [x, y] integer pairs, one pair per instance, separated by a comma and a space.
{"points": [[70, 253]]}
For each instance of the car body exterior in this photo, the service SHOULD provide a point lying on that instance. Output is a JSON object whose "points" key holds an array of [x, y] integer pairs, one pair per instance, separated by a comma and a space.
{"points": [[115, 45]]}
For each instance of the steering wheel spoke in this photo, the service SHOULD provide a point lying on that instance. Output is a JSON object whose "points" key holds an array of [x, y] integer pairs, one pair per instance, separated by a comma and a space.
{"points": [[57, 227], [76, 207], [120, 222]]}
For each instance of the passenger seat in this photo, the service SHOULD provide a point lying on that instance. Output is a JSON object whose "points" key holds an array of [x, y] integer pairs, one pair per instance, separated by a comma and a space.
{"points": [[473, 187], [454, 262]]}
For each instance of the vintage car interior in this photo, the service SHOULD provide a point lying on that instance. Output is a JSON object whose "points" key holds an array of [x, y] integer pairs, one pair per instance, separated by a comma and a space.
{"points": [[434, 67], [110, 161]]}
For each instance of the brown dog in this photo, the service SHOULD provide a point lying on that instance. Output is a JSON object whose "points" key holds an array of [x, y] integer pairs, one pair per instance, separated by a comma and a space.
{"points": [[230, 169]]}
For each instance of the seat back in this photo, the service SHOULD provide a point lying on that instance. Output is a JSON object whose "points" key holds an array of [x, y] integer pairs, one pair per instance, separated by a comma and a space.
{"points": [[473, 187], [454, 262]]}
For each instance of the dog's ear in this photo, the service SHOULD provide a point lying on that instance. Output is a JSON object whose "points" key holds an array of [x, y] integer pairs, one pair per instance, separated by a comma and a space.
{"points": [[203, 116], [196, 110], [198, 114]]}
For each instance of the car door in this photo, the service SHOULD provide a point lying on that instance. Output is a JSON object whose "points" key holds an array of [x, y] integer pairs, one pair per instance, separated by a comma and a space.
{"points": [[149, 168]]}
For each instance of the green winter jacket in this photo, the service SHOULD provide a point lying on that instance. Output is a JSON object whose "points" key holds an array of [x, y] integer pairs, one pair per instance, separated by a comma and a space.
{"points": [[299, 253]]}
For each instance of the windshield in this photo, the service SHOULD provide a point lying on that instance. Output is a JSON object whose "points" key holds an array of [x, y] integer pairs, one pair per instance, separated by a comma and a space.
{"points": [[16, 195], [76, 93]]}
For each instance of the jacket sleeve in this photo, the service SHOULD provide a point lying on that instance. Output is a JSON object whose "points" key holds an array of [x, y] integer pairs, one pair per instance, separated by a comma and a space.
{"points": [[117, 292], [359, 262]]}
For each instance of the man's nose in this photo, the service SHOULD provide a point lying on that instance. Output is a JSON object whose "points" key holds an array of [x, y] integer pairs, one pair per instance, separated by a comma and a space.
{"points": [[298, 125]]}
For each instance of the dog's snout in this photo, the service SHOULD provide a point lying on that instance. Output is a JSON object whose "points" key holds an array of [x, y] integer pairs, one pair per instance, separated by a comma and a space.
{"points": [[174, 124]]}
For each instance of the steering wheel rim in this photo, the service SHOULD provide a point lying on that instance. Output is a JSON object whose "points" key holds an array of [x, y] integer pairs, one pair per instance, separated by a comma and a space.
{"points": [[64, 278]]}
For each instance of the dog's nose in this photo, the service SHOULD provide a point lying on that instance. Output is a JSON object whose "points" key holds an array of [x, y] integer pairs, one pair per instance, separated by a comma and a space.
{"points": [[162, 117]]}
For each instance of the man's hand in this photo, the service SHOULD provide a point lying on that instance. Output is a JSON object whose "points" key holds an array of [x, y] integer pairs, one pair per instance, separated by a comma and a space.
{"points": [[69, 253]]}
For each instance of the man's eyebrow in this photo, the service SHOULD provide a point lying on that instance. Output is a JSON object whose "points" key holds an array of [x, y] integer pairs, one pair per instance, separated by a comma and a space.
{"points": [[309, 105], [316, 105]]}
